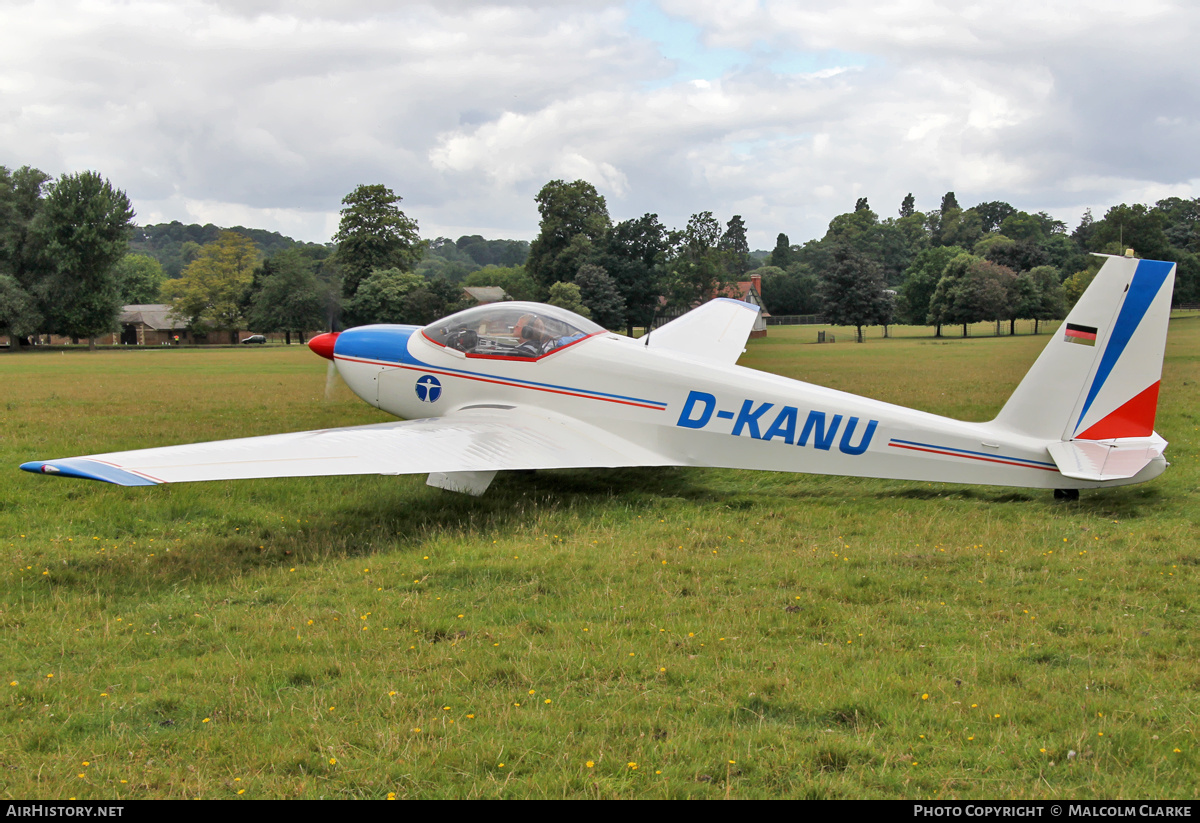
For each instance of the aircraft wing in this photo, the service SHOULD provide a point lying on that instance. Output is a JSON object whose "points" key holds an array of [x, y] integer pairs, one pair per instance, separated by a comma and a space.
{"points": [[481, 440]]}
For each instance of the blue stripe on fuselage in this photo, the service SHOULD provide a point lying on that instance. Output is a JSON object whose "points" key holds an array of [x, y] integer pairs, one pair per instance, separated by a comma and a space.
{"points": [[390, 343], [383, 342]]}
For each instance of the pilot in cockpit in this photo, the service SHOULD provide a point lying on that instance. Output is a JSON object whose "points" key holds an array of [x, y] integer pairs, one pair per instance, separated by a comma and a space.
{"points": [[510, 331]]}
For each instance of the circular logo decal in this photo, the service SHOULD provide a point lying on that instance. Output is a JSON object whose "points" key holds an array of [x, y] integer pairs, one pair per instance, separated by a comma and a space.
{"points": [[429, 389]]}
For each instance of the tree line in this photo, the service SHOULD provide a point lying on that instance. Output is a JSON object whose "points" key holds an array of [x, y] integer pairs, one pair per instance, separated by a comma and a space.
{"points": [[948, 266], [955, 265], [70, 257]]}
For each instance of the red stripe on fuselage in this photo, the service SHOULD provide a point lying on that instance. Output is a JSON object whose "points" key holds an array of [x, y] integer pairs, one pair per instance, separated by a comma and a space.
{"points": [[499, 382], [973, 457]]}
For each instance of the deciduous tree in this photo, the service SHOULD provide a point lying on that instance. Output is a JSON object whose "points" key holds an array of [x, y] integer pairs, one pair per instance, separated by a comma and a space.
{"points": [[972, 290], [635, 256], [1048, 299], [853, 291], [697, 272], [567, 296], [993, 213], [290, 298], [921, 282], [82, 230], [434, 300], [574, 222], [375, 234], [19, 316], [599, 293], [140, 278], [380, 297], [1135, 227], [795, 291], [21, 196], [208, 295]]}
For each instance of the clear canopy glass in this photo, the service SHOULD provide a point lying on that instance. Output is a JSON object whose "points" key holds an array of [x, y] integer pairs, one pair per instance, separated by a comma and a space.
{"points": [[520, 331]]}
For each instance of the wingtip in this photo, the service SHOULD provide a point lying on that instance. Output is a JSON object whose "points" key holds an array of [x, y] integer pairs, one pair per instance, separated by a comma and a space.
{"points": [[87, 470]]}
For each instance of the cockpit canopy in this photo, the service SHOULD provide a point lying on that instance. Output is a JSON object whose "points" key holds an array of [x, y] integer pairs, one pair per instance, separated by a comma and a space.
{"points": [[515, 330]]}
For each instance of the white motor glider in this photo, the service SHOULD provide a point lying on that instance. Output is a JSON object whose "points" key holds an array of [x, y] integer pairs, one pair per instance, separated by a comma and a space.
{"points": [[526, 386]]}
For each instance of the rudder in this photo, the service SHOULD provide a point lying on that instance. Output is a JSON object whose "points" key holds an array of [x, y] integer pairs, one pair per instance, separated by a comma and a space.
{"points": [[1098, 378]]}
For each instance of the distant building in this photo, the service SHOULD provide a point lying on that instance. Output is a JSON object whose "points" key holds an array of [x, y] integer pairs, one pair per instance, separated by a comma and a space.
{"points": [[486, 294], [751, 292], [150, 324]]}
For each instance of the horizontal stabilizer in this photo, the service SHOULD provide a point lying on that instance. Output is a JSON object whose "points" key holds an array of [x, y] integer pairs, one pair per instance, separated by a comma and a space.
{"points": [[715, 332], [1106, 459]]}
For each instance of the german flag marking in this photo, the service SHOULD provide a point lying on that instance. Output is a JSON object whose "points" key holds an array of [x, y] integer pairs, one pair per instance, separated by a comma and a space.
{"points": [[1085, 335]]}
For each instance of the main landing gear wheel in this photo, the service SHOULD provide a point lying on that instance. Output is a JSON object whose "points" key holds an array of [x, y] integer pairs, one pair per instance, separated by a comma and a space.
{"points": [[1066, 494]]}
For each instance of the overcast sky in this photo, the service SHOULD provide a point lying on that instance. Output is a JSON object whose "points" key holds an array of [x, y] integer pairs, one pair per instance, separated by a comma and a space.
{"points": [[266, 113]]}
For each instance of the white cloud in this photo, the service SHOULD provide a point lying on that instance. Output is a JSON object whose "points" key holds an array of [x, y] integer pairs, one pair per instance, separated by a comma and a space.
{"points": [[268, 112]]}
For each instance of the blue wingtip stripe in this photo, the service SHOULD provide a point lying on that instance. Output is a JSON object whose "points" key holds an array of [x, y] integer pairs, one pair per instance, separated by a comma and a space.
{"points": [[87, 470]]}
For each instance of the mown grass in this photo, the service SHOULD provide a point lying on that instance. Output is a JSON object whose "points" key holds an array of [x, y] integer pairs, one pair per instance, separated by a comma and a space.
{"points": [[733, 634]]}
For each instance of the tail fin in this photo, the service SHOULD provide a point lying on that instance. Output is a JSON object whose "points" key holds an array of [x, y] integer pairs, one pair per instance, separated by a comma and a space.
{"points": [[1098, 378], [715, 332]]}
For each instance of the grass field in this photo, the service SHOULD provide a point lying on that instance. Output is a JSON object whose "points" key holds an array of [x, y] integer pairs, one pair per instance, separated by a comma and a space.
{"points": [[623, 633]]}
